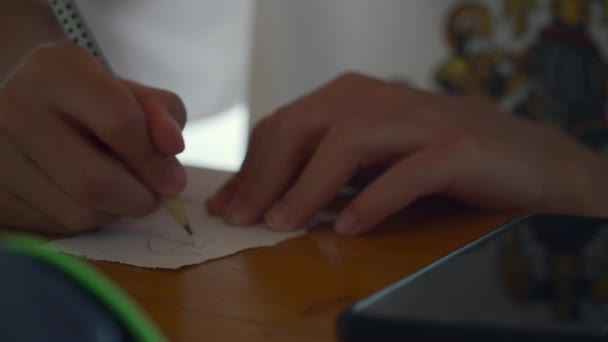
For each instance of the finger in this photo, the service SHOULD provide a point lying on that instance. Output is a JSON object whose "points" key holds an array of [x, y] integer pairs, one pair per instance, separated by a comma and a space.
{"points": [[121, 124], [30, 185], [365, 175], [276, 162], [217, 203], [170, 101], [17, 214], [287, 125], [166, 117], [348, 146], [78, 167], [254, 146], [419, 175], [90, 96], [293, 132], [97, 101]]}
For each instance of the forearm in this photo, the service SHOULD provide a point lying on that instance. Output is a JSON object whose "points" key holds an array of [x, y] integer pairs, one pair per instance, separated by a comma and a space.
{"points": [[24, 25]]}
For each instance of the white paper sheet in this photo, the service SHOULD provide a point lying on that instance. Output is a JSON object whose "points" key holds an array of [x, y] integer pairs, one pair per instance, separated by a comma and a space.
{"points": [[158, 241]]}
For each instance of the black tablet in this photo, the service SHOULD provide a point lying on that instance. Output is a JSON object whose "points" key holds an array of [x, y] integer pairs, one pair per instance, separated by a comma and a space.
{"points": [[537, 278]]}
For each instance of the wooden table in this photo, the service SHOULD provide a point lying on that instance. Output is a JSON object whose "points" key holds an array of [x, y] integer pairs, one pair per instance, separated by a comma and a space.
{"points": [[294, 290]]}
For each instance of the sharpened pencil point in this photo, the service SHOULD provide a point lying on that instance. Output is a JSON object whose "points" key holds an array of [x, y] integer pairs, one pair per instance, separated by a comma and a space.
{"points": [[175, 206], [188, 229]]}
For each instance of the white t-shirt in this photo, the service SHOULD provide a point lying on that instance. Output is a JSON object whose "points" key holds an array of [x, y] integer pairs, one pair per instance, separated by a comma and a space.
{"points": [[219, 54], [301, 44], [198, 49]]}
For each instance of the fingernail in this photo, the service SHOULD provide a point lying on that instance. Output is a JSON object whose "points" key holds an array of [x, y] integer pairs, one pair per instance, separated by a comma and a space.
{"points": [[278, 218], [236, 212], [175, 177], [170, 118], [178, 133], [346, 224]]}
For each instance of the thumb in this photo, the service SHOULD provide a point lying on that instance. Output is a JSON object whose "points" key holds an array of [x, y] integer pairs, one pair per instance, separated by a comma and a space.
{"points": [[165, 117]]}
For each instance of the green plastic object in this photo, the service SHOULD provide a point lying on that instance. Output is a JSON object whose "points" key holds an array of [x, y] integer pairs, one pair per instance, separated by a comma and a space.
{"points": [[134, 320]]}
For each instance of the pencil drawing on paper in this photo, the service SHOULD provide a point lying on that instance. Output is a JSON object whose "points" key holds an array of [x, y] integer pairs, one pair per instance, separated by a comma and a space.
{"points": [[171, 246]]}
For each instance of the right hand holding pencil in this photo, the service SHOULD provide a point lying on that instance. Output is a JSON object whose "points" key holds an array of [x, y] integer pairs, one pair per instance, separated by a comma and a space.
{"points": [[79, 147]]}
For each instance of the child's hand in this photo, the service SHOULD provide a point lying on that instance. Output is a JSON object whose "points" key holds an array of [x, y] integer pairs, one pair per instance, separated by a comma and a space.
{"points": [[421, 143], [79, 147]]}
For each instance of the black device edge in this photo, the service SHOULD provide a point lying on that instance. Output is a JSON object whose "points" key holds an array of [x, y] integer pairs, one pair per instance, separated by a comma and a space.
{"points": [[353, 326]]}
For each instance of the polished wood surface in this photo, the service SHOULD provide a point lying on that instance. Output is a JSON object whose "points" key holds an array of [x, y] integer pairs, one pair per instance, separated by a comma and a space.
{"points": [[295, 290]]}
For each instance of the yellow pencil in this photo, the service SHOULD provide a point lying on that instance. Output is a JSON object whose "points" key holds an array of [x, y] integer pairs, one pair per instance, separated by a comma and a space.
{"points": [[175, 206], [75, 27]]}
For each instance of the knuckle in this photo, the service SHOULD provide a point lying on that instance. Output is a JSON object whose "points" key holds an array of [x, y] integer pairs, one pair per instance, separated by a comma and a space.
{"points": [[259, 130], [351, 77], [96, 190], [460, 144], [287, 120], [170, 101], [247, 194], [45, 60], [253, 194], [42, 60], [344, 135], [121, 119]]}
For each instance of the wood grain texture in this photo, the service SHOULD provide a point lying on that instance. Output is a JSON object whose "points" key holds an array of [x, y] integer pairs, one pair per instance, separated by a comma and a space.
{"points": [[294, 290]]}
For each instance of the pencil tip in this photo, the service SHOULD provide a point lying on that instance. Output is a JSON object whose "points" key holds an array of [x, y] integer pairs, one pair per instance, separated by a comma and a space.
{"points": [[188, 229]]}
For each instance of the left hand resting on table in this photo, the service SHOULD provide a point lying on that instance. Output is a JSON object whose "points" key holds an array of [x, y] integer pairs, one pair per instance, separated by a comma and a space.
{"points": [[420, 143]]}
